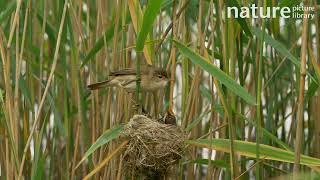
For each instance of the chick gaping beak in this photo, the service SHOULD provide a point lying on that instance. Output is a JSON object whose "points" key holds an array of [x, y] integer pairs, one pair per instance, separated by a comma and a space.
{"points": [[170, 118]]}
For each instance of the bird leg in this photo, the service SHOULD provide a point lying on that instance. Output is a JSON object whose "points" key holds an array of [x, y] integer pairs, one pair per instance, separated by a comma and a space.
{"points": [[155, 102], [136, 106]]}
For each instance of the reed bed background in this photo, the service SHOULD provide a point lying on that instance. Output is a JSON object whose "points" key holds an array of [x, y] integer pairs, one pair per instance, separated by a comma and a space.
{"points": [[244, 90]]}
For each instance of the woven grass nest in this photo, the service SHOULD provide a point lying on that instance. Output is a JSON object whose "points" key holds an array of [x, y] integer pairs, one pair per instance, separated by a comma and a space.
{"points": [[153, 146]]}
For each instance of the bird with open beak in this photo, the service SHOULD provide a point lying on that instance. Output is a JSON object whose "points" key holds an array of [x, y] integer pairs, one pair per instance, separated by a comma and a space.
{"points": [[168, 118]]}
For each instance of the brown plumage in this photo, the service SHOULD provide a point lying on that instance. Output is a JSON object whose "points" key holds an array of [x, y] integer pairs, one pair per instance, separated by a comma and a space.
{"points": [[170, 118], [152, 79]]}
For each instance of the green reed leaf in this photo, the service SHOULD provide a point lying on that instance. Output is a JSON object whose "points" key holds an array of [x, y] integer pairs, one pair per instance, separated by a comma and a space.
{"points": [[216, 72]]}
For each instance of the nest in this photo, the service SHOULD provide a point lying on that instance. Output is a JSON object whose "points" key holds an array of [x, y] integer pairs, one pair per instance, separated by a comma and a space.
{"points": [[153, 146]]}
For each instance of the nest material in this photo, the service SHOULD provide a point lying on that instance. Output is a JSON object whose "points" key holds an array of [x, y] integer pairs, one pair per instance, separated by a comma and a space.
{"points": [[153, 146]]}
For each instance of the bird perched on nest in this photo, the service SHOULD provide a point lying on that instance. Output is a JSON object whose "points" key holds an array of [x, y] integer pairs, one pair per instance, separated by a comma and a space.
{"points": [[152, 79], [168, 118]]}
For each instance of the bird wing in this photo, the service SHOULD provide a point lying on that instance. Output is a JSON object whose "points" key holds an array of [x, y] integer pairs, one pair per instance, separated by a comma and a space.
{"points": [[125, 83], [99, 85], [127, 71], [131, 71]]}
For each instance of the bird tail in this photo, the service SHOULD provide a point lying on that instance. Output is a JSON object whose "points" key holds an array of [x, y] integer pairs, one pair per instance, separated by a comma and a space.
{"points": [[99, 85]]}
